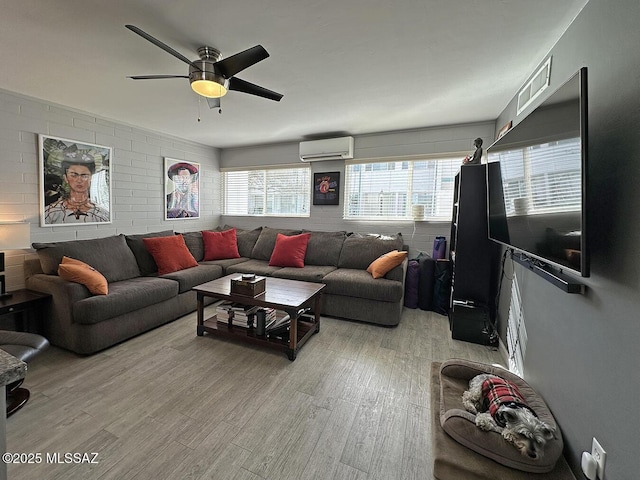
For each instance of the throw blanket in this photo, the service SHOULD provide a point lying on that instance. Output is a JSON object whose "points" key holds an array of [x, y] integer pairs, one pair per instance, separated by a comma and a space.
{"points": [[497, 392]]}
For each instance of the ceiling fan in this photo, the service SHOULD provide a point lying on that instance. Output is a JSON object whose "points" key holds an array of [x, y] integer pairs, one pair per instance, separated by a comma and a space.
{"points": [[212, 76]]}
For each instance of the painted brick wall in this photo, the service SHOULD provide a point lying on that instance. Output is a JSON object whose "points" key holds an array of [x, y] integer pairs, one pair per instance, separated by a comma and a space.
{"points": [[137, 171]]}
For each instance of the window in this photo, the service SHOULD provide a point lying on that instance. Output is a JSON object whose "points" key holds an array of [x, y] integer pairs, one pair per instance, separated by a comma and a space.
{"points": [[280, 191], [388, 190]]}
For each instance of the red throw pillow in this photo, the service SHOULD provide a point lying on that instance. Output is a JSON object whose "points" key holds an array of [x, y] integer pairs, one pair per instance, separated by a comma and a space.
{"points": [[220, 245], [170, 253], [289, 251]]}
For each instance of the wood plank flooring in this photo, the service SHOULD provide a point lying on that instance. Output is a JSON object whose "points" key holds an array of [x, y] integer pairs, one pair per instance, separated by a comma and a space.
{"points": [[171, 405]]}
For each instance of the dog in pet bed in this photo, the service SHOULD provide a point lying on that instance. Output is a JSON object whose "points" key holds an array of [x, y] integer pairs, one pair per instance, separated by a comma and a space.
{"points": [[500, 407]]}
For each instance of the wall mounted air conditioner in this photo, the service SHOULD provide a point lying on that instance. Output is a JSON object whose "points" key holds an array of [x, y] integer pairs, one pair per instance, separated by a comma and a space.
{"points": [[329, 149]]}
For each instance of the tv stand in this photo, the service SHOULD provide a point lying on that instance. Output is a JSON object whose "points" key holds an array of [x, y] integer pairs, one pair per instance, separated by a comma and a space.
{"points": [[559, 279]]}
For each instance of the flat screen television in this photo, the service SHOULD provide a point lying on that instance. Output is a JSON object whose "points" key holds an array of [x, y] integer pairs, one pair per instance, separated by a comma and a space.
{"points": [[536, 182]]}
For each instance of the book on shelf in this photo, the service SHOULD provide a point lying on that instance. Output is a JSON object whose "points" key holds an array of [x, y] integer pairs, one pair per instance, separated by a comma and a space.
{"points": [[279, 328]]}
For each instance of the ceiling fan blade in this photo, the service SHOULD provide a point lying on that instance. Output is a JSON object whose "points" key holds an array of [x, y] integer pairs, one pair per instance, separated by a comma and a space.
{"points": [[213, 102], [153, 77], [228, 67], [163, 46], [246, 87]]}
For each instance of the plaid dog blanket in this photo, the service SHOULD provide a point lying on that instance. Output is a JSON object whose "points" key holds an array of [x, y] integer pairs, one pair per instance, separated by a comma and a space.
{"points": [[497, 392]]}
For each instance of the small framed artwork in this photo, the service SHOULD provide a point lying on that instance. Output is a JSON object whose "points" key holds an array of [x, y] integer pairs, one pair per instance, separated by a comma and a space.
{"points": [[75, 182], [181, 189], [326, 188]]}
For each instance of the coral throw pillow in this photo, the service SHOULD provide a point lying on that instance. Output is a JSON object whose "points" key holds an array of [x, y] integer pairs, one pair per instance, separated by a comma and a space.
{"points": [[170, 253], [73, 270], [289, 251], [220, 245], [385, 263]]}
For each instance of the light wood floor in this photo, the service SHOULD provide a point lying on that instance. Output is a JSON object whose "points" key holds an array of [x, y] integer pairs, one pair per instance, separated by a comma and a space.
{"points": [[171, 405]]}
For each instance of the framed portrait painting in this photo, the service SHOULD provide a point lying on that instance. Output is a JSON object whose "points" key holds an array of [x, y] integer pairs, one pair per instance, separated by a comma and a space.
{"points": [[75, 182], [181, 189], [326, 188]]}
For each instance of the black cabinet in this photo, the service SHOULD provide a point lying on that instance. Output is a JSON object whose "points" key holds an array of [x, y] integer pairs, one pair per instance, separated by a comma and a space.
{"points": [[472, 255]]}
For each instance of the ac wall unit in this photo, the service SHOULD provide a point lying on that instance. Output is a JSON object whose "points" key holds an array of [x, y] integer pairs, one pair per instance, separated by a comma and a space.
{"points": [[329, 149]]}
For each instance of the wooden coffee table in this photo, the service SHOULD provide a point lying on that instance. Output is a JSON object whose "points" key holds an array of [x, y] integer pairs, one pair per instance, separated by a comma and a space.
{"points": [[292, 296]]}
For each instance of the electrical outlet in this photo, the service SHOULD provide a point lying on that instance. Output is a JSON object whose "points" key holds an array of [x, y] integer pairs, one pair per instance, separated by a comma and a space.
{"points": [[600, 456]]}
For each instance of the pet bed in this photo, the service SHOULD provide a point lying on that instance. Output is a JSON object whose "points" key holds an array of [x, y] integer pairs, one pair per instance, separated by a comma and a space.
{"points": [[462, 450]]}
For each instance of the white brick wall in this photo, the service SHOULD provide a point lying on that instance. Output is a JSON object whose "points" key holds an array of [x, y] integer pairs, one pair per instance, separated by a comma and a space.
{"points": [[137, 174]]}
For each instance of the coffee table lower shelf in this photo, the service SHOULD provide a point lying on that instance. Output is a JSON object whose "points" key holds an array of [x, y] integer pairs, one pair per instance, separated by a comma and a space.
{"points": [[305, 330]]}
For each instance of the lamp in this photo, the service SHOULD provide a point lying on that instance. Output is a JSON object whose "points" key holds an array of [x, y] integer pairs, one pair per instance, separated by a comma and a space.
{"points": [[13, 236]]}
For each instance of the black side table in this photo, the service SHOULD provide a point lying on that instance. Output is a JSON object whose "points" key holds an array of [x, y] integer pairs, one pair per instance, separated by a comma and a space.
{"points": [[26, 305]]}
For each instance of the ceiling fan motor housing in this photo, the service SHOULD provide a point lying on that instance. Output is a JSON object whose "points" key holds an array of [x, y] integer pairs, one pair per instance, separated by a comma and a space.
{"points": [[204, 78]]}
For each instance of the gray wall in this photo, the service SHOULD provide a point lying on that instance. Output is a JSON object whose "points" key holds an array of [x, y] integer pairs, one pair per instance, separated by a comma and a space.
{"points": [[583, 350], [137, 171], [419, 235]]}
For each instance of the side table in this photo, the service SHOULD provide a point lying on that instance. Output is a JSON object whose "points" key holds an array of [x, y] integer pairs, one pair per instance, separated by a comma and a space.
{"points": [[26, 305]]}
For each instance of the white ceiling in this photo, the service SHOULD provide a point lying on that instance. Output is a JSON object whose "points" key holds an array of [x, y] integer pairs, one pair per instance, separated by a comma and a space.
{"points": [[344, 66]]}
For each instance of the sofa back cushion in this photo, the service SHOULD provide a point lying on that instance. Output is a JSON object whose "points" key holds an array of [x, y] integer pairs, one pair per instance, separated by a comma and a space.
{"points": [[324, 248], [195, 244], [110, 256], [246, 239], [146, 263], [359, 250], [267, 241]]}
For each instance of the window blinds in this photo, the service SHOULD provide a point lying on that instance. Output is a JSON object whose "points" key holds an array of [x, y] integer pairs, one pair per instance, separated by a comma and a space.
{"points": [[264, 192]]}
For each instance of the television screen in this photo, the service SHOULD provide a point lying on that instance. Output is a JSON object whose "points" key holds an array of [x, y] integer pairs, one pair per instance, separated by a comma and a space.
{"points": [[536, 181]]}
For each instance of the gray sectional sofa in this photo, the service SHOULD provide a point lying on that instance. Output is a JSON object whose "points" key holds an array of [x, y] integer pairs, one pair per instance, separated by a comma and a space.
{"points": [[139, 299]]}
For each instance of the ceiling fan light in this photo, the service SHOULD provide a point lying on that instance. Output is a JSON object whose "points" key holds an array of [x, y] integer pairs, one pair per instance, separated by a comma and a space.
{"points": [[208, 88]]}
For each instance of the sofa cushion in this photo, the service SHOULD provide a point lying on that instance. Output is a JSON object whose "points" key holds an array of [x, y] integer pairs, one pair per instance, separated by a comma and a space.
{"points": [[225, 263], [308, 273], [385, 263], [289, 250], [267, 240], [73, 270], [124, 297], [220, 245], [146, 263], [170, 253], [191, 277], [246, 239], [110, 256], [359, 250], [195, 244], [259, 267], [324, 248], [360, 283], [460, 424]]}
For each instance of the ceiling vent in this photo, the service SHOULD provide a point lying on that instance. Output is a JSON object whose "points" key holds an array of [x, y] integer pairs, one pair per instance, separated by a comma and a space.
{"points": [[534, 87], [340, 148]]}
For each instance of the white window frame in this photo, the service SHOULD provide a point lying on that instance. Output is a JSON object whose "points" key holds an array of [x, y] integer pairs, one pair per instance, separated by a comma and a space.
{"points": [[441, 196], [229, 194]]}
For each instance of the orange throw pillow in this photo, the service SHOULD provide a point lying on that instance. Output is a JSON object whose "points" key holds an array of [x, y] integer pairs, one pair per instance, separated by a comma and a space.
{"points": [[220, 245], [385, 263], [170, 253], [73, 270], [289, 251]]}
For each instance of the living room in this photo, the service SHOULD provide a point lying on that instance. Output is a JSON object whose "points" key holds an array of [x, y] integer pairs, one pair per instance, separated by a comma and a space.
{"points": [[580, 348]]}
